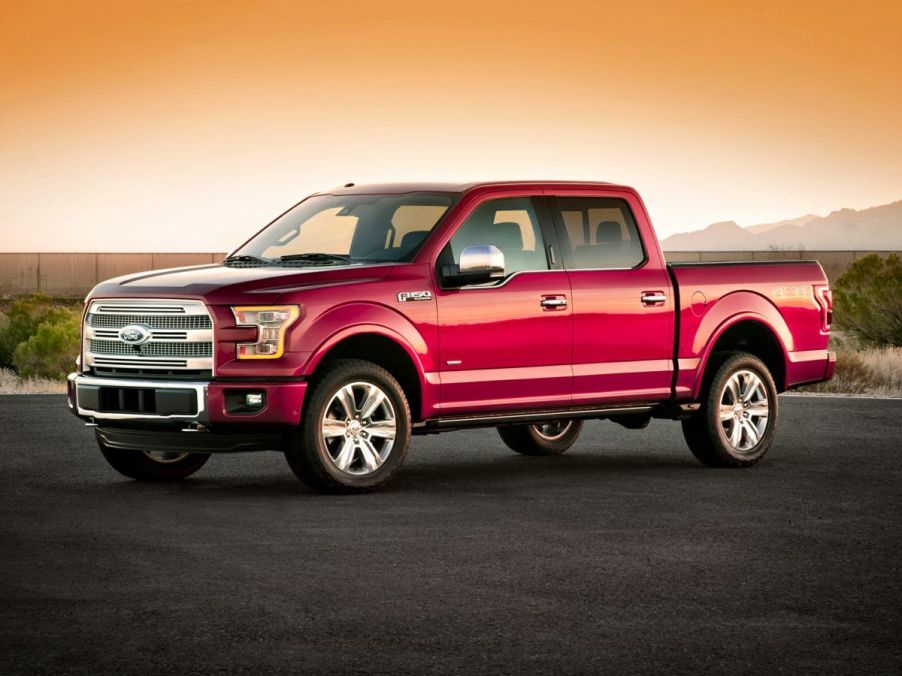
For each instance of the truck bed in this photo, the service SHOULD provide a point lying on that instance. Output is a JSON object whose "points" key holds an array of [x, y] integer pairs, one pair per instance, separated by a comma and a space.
{"points": [[778, 295]]}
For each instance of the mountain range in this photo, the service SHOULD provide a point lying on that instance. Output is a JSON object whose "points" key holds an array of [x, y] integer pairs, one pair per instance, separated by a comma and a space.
{"points": [[877, 228]]}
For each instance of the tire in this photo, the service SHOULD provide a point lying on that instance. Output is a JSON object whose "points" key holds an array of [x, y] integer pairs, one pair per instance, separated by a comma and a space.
{"points": [[552, 438], [341, 447], [738, 416], [147, 466]]}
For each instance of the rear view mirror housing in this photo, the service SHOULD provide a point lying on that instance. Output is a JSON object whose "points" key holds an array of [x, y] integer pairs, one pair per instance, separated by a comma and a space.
{"points": [[478, 265]]}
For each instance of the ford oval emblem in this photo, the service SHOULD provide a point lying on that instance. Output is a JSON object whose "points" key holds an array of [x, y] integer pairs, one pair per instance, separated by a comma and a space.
{"points": [[134, 334]]}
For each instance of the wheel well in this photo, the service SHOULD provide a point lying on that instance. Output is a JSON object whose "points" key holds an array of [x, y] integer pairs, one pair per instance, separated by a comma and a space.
{"points": [[386, 353], [757, 339]]}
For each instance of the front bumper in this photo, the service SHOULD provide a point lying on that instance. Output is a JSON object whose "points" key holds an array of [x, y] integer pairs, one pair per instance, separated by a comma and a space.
{"points": [[155, 414]]}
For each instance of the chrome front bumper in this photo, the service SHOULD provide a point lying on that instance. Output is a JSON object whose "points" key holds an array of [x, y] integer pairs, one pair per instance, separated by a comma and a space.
{"points": [[184, 404], [155, 399]]}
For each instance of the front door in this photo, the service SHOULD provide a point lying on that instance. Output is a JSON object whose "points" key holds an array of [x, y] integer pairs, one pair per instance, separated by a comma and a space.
{"points": [[506, 345]]}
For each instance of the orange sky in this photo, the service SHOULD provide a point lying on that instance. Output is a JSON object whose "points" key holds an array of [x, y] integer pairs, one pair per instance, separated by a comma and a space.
{"points": [[183, 126]]}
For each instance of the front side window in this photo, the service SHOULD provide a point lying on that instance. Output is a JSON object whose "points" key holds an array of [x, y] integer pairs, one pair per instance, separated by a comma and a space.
{"points": [[375, 228], [509, 224], [599, 233]]}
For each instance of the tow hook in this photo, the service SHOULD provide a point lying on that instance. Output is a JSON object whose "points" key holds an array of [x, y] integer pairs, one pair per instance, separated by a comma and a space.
{"points": [[195, 427]]}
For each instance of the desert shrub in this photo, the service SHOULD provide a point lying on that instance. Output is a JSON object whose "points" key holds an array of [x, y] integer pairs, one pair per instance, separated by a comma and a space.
{"points": [[4, 323], [869, 300], [23, 317], [51, 350]]}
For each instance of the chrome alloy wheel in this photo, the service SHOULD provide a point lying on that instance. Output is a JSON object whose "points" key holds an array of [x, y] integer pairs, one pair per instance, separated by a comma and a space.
{"points": [[358, 428], [554, 430], [165, 457], [744, 410]]}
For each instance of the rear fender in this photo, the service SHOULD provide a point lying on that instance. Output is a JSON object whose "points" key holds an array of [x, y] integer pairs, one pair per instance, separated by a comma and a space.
{"points": [[726, 313]]}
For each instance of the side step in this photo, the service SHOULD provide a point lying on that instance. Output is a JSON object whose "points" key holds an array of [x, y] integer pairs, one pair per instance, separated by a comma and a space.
{"points": [[523, 417]]}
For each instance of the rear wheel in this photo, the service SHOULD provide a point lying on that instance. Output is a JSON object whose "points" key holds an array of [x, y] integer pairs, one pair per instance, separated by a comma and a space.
{"points": [[548, 438], [355, 431], [153, 465], [738, 417]]}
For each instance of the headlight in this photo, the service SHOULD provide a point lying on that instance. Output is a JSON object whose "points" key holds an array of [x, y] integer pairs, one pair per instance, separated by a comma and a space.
{"points": [[272, 321]]}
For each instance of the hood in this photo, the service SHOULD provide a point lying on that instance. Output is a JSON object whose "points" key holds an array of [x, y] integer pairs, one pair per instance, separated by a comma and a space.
{"points": [[223, 285]]}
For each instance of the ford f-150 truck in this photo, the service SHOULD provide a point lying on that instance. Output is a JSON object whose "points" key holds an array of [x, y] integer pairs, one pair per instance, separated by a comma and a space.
{"points": [[367, 314]]}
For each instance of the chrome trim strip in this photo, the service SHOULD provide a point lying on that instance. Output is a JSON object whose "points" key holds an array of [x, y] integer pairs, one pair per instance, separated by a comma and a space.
{"points": [[156, 335], [508, 278], [200, 391]]}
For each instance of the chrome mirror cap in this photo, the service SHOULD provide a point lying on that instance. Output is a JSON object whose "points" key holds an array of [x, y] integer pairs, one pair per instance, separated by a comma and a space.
{"points": [[485, 259]]}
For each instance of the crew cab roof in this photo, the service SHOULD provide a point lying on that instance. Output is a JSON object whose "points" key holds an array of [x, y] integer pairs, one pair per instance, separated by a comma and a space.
{"points": [[400, 188]]}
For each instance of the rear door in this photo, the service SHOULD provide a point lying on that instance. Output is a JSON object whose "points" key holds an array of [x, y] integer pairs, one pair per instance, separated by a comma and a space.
{"points": [[506, 345], [623, 306]]}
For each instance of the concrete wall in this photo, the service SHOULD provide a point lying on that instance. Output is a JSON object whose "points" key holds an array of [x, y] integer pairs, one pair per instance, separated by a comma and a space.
{"points": [[71, 275]]}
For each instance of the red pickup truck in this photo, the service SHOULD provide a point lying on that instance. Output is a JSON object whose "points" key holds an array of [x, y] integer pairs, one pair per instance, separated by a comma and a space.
{"points": [[367, 314]]}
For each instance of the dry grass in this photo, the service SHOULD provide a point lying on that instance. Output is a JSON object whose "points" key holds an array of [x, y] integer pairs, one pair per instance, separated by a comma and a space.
{"points": [[873, 371], [10, 383]]}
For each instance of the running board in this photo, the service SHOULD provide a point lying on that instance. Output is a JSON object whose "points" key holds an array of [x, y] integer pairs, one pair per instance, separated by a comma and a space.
{"points": [[524, 417]]}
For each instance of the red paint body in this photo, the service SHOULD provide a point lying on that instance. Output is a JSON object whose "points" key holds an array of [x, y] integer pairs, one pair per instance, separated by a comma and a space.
{"points": [[605, 347]]}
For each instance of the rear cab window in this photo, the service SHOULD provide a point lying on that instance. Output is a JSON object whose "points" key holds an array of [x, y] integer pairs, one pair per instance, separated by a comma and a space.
{"points": [[597, 233]]}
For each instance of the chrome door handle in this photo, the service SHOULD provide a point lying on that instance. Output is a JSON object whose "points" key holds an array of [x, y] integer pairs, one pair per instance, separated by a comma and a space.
{"points": [[653, 297], [553, 302]]}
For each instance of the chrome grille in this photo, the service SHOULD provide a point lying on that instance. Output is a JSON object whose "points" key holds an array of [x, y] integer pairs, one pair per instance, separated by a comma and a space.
{"points": [[118, 320], [179, 335], [170, 349], [113, 334]]}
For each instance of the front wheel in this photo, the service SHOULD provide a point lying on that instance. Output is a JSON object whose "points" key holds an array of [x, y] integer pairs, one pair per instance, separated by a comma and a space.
{"points": [[738, 416], [549, 438], [355, 430], [153, 465]]}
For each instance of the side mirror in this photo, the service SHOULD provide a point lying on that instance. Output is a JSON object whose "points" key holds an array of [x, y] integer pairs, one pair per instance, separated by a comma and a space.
{"points": [[478, 265]]}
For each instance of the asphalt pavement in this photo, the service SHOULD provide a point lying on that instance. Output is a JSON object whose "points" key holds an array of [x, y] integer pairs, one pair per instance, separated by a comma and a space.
{"points": [[623, 555]]}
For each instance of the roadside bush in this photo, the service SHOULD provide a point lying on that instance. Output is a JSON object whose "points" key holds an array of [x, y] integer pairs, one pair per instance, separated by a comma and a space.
{"points": [[51, 351], [868, 300], [4, 324], [23, 317]]}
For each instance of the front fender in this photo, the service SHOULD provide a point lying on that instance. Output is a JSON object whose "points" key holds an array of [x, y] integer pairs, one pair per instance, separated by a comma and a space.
{"points": [[353, 319], [356, 319]]}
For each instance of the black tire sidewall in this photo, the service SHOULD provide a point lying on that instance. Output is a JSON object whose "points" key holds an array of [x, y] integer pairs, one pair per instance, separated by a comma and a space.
{"points": [[713, 427], [136, 465], [310, 458], [524, 439]]}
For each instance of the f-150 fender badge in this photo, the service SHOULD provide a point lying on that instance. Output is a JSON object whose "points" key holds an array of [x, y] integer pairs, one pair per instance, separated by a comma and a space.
{"points": [[405, 296]]}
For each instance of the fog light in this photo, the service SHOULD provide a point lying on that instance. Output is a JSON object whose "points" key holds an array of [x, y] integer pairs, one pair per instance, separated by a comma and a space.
{"points": [[244, 402]]}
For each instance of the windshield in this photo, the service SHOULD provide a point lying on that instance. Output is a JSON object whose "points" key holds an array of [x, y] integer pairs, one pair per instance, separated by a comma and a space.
{"points": [[336, 229]]}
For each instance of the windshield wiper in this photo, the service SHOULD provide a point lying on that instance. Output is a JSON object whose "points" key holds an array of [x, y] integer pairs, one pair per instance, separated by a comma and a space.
{"points": [[244, 258], [316, 257]]}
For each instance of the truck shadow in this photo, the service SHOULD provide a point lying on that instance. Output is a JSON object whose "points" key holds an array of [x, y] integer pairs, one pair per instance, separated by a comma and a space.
{"points": [[513, 471], [441, 472]]}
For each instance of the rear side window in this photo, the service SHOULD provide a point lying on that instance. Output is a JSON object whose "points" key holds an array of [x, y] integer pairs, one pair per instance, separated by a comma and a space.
{"points": [[599, 233]]}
